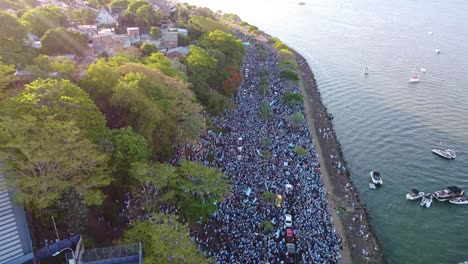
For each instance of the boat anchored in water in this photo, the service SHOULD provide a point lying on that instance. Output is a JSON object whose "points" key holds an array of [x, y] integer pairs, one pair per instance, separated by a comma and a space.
{"points": [[459, 200], [437, 51], [448, 153], [414, 195], [376, 177], [449, 193], [366, 70], [414, 77], [426, 200]]}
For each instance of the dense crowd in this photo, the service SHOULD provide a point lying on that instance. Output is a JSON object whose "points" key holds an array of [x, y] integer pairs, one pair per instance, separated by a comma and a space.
{"points": [[258, 155]]}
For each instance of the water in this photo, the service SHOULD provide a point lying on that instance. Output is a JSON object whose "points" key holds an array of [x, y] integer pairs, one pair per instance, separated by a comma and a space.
{"points": [[383, 122]]}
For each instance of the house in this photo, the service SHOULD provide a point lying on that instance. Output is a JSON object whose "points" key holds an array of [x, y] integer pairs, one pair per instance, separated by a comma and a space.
{"points": [[106, 41], [177, 52], [87, 30], [104, 17], [134, 34], [170, 38], [15, 243]]}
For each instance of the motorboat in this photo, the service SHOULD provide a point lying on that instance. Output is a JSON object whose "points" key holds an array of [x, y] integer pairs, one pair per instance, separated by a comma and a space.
{"points": [[426, 200], [301, 3], [423, 70], [376, 177], [414, 195], [449, 193], [437, 51], [459, 200], [414, 77], [448, 153], [366, 70]]}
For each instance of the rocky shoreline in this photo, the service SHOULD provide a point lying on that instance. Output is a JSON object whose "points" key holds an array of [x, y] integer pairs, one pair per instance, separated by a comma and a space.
{"points": [[351, 218]]}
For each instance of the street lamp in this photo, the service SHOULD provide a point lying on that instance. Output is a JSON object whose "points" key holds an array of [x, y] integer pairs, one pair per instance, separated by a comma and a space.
{"points": [[73, 253]]}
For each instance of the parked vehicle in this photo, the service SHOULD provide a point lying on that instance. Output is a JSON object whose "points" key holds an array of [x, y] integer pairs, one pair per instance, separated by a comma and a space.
{"points": [[288, 222]]}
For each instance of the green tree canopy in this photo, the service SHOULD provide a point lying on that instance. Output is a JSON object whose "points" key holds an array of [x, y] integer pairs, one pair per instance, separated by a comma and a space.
{"points": [[231, 47], [84, 15], [199, 25], [12, 36], [155, 32], [119, 5], [160, 61], [60, 40], [48, 158], [164, 240], [128, 147], [55, 68], [6, 78], [148, 48], [39, 20], [61, 101]]}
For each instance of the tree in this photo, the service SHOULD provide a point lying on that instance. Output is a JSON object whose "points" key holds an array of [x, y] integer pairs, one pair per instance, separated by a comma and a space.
{"points": [[165, 240], [231, 47], [119, 5], [201, 66], [159, 61], [56, 68], [289, 75], [148, 48], [61, 101], [264, 111], [12, 36], [291, 98], [300, 151], [39, 20], [60, 40], [183, 40], [296, 119], [6, 78], [128, 147], [47, 158], [155, 32], [85, 15]]}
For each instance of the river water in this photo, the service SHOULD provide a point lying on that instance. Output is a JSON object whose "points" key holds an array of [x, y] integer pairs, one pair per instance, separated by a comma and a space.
{"points": [[382, 121]]}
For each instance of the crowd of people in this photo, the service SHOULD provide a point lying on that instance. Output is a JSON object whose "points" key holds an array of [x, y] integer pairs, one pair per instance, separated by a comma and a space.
{"points": [[258, 154]]}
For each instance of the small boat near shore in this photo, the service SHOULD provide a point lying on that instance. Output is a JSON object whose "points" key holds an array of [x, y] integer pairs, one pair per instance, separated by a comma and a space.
{"points": [[426, 200], [459, 200], [376, 178], [449, 193], [448, 153], [414, 195]]}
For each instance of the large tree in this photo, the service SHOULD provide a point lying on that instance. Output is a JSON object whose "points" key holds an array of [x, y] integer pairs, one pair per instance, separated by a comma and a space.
{"points": [[60, 40], [61, 101], [164, 240], [39, 20], [12, 36], [47, 158], [6, 78], [231, 47], [56, 68]]}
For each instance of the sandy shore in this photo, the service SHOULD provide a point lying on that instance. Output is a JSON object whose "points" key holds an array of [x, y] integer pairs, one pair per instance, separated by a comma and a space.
{"points": [[349, 215]]}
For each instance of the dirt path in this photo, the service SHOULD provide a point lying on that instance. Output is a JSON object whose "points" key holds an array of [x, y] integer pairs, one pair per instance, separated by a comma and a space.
{"points": [[344, 251], [349, 214]]}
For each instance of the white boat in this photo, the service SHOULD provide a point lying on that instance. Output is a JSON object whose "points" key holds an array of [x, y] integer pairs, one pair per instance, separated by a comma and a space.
{"points": [[423, 70], [448, 153], [414, 195], [449, 193], [366, 70], [437, 51], [426, 200], [414, 77], [376, 177], [459, 200]]}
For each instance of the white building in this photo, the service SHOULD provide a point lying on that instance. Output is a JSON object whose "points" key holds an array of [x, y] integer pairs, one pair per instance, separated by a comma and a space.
{"points": [[106, 18]]}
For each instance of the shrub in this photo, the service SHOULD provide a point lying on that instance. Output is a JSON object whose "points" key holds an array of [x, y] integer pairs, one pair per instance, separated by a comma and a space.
{"points": [[289, 75], [300, 151], [267, 227], [291, 98], [268, 197]]}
